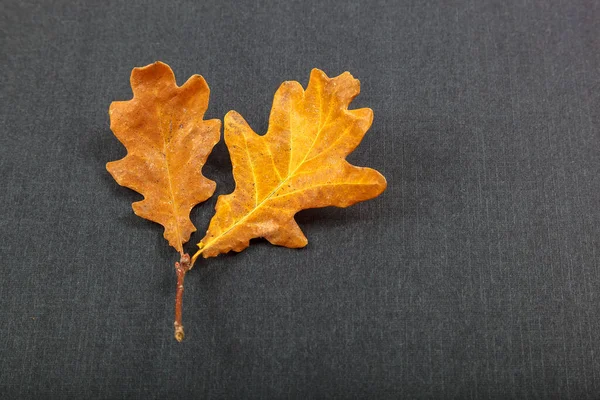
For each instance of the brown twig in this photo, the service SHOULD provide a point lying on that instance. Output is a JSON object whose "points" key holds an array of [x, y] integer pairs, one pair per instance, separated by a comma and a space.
{"points": [[181, 268]]}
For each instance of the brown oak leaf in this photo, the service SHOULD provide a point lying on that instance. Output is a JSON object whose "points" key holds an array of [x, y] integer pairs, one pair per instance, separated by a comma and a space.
{"points": [[167, 142], [298, 164]]}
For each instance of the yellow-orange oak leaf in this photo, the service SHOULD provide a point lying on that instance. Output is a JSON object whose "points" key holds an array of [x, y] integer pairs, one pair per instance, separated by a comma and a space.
{"points": [[167, 142], [299, 163]]}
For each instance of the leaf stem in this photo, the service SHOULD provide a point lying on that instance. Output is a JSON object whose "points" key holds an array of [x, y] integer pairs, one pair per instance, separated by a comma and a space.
{"points": [[181, 267]]}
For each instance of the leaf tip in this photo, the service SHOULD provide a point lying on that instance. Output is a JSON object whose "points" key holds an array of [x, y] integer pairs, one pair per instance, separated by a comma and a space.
{"points": [[109, 166], [317, 76], [150, 75], [234, 119], [318, 73], [197, 85], [232, 114], [380, 183]]}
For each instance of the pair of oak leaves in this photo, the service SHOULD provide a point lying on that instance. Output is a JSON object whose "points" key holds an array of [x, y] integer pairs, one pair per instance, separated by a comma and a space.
{"points": [[298, 164]]}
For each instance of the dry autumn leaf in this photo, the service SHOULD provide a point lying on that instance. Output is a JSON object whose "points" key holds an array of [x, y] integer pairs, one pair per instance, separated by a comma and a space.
{"points": [[298, 164], [167, 142]]}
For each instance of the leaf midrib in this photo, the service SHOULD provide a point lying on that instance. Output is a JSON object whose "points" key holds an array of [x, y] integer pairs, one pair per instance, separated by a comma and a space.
{"points": [[171, 192]]}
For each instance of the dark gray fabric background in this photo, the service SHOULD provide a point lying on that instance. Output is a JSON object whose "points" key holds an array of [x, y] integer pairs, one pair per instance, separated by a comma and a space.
{"points": [[475, 275]]}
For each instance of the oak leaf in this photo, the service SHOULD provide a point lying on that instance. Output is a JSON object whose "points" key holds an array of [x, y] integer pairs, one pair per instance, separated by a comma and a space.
{"points": [[167, 142], [298, 164]]}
